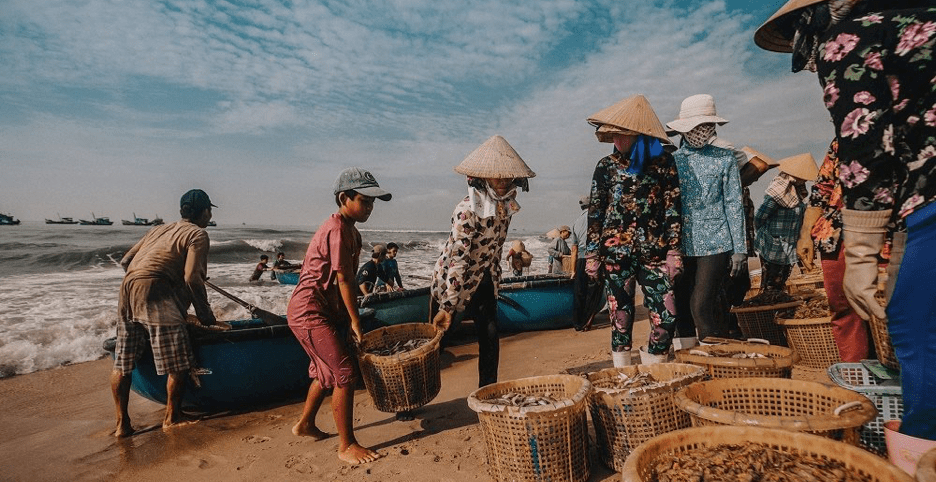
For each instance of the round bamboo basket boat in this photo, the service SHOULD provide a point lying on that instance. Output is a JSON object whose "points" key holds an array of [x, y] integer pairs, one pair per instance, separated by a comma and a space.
{"points": [[544, 442], [407, 380], [795, 405], [777, 361], [625, 418], [641, 466]]}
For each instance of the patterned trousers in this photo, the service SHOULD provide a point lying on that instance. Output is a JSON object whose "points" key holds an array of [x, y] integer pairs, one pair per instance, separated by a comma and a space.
{"points": [[621, 274]]}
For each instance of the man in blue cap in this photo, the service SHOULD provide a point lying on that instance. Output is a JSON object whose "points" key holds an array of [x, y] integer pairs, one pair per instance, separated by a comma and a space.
{"points": [[165, 274]]}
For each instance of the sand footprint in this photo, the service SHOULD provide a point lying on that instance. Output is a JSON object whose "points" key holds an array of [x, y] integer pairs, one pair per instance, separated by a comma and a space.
{"points": [[256, 439]]}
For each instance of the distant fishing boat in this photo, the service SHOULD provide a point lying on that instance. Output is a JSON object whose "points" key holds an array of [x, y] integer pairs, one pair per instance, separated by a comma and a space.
{"points": [[142, 221], [8, 220], [102, 221], [60, 220]]}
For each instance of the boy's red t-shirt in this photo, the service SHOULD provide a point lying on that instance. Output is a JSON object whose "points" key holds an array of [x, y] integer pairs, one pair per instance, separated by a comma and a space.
{"points": [[335, 246]]}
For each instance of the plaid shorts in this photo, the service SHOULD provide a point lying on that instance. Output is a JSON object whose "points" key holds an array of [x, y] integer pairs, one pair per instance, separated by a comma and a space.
{"points": [[172, 350]]}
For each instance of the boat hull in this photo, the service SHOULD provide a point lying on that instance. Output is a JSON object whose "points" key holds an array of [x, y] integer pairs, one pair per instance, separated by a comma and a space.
{"points": [[250, 365], [287, 277]]}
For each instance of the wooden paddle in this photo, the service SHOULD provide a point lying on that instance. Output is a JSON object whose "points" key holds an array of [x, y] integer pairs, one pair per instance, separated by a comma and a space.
{"points": [[268, 318]]}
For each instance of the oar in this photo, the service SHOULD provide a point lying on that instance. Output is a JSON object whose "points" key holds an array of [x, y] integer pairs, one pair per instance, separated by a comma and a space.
{"points": [[268, 318]]}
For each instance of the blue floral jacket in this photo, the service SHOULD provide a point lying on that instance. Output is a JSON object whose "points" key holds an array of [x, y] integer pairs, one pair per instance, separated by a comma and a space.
{"points": [[712, 213]]}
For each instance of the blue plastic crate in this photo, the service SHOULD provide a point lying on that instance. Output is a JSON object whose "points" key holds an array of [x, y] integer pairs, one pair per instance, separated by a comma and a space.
{"points": [[885, 394]]}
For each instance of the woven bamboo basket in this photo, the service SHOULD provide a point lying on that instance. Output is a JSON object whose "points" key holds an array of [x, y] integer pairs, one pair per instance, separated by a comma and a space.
{"points": [[812, 339], [806, 283], [758, 321], [407, 380], [642, 463], [624, 419], [778, 361], [548, 442], [926, 467], [796, 405], [882, 343]]}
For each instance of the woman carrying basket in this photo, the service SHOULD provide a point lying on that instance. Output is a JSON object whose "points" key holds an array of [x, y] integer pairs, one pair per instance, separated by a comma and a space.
{"points": [[468, 272], [875, 64], [634, 225]]}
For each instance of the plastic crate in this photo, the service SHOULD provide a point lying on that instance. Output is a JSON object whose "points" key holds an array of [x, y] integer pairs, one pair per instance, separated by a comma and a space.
{"points": [[887, 398]]}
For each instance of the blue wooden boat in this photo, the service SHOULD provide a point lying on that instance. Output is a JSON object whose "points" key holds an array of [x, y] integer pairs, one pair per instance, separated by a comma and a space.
{"points": [[526, 303], [8, 220], [290, 277], [249, 365]]}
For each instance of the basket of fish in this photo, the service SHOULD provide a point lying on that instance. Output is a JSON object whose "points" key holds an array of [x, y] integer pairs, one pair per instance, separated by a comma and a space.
{"points": [[400, 365], [738, 359], [797, 405], [808, 329], [756, 315], [632, 404], [745, 454], [535, 428]]}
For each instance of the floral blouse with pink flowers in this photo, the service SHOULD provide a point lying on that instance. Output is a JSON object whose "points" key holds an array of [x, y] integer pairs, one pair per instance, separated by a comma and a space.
{"points": [[879, 83]]}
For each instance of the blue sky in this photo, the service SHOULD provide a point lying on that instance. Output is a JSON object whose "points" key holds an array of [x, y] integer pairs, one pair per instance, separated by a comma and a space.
{"points": [[119, 107]]}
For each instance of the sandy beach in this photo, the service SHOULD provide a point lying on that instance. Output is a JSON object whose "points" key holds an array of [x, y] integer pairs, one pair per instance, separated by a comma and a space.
{"points": [[57, 425]]}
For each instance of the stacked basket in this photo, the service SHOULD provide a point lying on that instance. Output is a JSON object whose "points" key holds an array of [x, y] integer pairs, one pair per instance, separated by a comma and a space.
{"points": [[407, 380], [817, 408], [856, 464], [625, 418], [719, 360], [758, 321], [812, 339], [535, 443]]}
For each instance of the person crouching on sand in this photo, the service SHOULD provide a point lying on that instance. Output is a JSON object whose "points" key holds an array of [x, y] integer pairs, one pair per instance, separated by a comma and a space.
{"points": [[166, 272], [467, 274], [323, 308]]}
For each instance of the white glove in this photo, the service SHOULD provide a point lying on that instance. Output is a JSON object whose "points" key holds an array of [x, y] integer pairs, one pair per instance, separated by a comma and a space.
{"points": [[863, 233], [737, 261]]}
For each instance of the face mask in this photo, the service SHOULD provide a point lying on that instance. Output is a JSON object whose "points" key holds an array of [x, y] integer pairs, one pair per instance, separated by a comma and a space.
{"points": [[699, 135]]}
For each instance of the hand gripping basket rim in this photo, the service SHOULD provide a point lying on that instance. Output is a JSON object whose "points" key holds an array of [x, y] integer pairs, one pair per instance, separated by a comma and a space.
{"points": [[641, 461], [853, 419], [430, 346], [787, 357], [479, 405]]}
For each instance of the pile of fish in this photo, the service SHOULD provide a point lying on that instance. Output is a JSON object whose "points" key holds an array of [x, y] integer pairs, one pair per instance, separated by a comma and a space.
{"points": [[751, 462], [513, 399], [641, 381], [767, 298], [399, 347], [716, 352], [814, 308]]}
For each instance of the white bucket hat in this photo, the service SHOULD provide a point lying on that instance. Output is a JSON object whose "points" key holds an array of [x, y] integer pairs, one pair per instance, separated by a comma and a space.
{"points": [[495, 159], [695, 110]]}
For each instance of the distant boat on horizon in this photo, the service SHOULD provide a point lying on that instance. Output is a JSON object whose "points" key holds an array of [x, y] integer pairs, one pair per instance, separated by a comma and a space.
{"points": [[97, 221], [60, 220], [8, 220], [142, 221]]}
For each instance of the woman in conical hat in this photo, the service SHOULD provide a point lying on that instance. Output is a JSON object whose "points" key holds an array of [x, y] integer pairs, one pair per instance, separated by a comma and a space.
{"points": [[713, 237], [467, 274], [874, 61], [634, 225], [779, 218]]}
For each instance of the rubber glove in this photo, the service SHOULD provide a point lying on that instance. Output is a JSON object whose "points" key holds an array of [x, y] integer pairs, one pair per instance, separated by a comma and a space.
{"points": [[443, 319], [805, 248], [674, 264], [592, 266], [737, 261], [898, 245], [863, 233]]}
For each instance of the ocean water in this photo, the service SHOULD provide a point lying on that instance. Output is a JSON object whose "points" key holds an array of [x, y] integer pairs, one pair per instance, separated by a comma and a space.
{"points": [[59, 284]]}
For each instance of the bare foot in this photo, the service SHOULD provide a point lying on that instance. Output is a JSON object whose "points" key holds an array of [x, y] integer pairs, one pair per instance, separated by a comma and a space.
{"points": [[124, 430], [309, 431], [354, 454], [180, 422]]}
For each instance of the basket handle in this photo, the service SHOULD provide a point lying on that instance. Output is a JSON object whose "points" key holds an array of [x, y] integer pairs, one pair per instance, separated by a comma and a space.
{"points": [[758, 340], [846, 407], [699, 352]]}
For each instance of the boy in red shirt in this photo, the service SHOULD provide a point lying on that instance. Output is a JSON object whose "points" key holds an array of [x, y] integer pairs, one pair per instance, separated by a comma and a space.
{"points": [[324, 306]]}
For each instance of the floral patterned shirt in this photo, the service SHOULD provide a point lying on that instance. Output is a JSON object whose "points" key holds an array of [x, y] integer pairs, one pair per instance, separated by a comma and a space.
{"points": [[826, 194], [712, 213], [631, 214], [472, 250], [878, 76]]}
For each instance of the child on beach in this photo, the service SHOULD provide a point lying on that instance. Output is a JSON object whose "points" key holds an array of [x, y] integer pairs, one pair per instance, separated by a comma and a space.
{"points": [[371, 275], [261, 267], [468, 271], [391, 269], [323, 308]]}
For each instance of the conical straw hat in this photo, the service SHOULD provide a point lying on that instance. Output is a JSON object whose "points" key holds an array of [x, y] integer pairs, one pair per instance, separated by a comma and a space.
{"points": [[776, 34], [631, 115], [763, 162], [495, 159], [801, 166]]}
